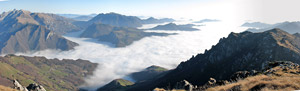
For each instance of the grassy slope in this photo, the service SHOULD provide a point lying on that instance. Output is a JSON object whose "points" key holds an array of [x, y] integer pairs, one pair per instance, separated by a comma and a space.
{"points": [[51, 76], [280, 80], [3, 88]]}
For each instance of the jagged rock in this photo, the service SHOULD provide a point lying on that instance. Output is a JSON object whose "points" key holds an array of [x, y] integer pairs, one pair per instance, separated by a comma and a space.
{"points": [[239, 51], [240, 75], [18, 86], [35, 87], [184, 85], [212, 81]]}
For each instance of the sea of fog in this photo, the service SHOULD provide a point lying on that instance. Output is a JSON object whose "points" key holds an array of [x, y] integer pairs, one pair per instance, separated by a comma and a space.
{"points": [[167, 51]]}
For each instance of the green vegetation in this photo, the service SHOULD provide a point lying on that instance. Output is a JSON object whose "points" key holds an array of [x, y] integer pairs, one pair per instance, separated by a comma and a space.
{"points": [[123, 82], [52, 74]]}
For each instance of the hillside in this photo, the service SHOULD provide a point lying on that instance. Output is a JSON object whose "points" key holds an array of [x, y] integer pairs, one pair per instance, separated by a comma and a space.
{"points": [[149, 73], [239, 51], [119, 36], [52, 74], [23, 31], [116, 85], [284, 76], [33, 38]]}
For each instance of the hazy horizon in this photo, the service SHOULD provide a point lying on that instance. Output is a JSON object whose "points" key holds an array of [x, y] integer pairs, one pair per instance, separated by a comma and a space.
{"points": [[232, 10]]}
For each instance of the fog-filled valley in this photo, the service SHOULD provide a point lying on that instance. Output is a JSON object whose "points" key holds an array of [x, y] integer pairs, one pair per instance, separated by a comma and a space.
{"points": [[151, 45], [166, 51]]}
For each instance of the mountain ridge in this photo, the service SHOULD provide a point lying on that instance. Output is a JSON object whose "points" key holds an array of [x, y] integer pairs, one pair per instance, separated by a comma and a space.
{"points": [[239, 51]]}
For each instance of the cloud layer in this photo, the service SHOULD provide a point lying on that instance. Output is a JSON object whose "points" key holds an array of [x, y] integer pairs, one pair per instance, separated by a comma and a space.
{"points": [[163, 51]]}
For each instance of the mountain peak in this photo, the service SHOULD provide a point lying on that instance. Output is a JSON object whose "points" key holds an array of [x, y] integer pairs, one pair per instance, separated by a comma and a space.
{"points": [[20, 11], [155, 68], [276, 30]]}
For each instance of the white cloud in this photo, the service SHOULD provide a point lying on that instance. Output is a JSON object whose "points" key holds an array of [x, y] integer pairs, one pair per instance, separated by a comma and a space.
{"points": [[163, 51]]}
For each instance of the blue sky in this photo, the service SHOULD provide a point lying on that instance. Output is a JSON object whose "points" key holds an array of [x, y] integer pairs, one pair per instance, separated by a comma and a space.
{"points": [[232, 10], [156, 8], [96, 6]]}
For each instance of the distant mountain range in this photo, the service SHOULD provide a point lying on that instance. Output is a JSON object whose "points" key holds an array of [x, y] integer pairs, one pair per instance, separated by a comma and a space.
{"points": [[78, 17], [52, 74], [290, 27], [239, 51], [256, 25], [207, 20], [119, 20], [120, 36], [23, 31], [173, 26], [152, 20]]}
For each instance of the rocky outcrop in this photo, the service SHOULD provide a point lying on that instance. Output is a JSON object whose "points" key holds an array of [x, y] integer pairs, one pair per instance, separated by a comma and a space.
{"points": [[30, 87], [184, 85], [18, 86], [35, 87], [273, 77]]}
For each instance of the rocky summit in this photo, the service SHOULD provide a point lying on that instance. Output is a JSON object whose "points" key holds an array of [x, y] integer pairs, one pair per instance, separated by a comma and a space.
{"points": [[244, 51]]}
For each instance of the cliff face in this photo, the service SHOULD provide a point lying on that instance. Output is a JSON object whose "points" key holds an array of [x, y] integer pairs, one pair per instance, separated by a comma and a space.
{"points": [[52, 74], [239, 51]]}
